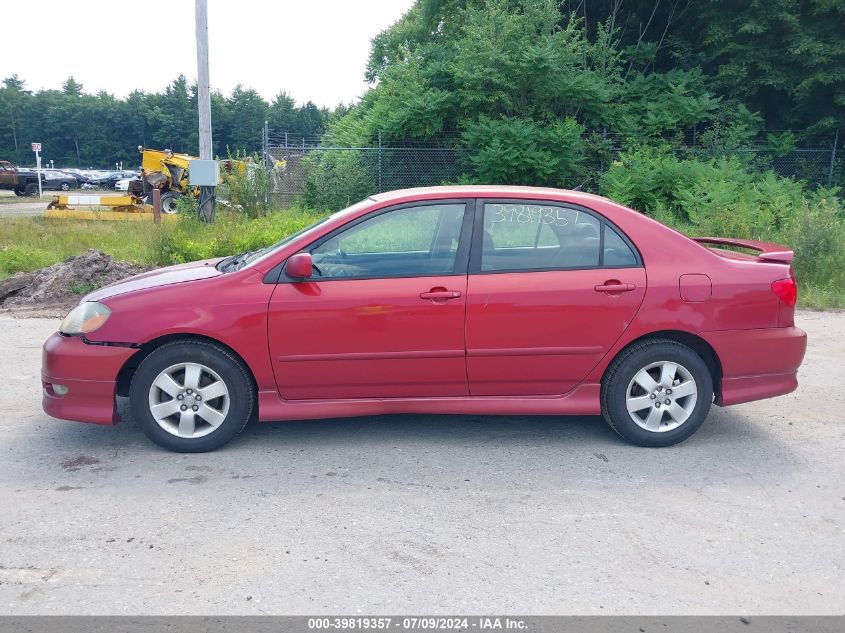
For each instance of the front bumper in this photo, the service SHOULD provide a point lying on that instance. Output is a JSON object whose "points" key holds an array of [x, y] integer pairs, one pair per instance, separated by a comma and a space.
{"points": [[90, 374], [757, 364]]}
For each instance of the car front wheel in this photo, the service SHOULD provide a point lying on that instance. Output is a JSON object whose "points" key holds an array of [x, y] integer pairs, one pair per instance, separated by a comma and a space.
{"points": [[657, 393], [192, 396]]}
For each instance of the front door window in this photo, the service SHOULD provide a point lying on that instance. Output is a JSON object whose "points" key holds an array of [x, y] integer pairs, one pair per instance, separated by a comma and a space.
{"points": [[411, 242]]}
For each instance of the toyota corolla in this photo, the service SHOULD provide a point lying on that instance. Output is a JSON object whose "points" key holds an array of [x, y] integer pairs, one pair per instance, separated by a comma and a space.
{"points": [[468, 300]]}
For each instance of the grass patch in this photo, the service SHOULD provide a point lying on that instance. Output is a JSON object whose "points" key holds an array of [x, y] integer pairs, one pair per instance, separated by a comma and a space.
{"points": [[817, 298], [31, 243], [28, 244]]}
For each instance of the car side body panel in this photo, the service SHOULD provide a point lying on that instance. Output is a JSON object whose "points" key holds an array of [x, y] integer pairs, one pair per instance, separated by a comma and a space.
{"points": [[230, 309], [739, 320], [368, 338], [540, 333]]}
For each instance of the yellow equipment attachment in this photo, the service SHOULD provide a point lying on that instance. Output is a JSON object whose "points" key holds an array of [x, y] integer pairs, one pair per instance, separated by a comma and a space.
{"points": [[101, 207]]}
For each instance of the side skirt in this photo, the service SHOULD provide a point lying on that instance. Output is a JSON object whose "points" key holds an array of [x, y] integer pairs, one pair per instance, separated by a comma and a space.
{"points": [[583, 400]]}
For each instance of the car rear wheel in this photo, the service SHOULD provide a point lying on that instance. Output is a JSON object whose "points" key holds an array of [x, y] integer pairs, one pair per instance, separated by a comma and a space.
{"points": [[65, 186], [657, 393], [192, 396], [31, 189]]}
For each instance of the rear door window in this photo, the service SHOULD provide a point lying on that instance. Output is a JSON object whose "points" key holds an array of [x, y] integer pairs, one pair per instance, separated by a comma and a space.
{"points": [[525, 236]]}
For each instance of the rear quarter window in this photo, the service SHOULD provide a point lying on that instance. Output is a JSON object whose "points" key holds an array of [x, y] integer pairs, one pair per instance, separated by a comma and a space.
{"points": [[616, 250]]}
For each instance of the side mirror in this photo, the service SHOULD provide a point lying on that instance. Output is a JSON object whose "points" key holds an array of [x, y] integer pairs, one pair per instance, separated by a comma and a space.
{"points": [[299, 266]]}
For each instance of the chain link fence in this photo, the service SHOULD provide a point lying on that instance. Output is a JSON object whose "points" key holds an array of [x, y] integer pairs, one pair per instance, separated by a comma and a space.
{"points": [[332, 175]]}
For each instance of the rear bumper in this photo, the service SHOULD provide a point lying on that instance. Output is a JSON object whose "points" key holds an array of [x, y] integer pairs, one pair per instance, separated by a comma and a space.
{"points": [[757, 364], [89, 372]]}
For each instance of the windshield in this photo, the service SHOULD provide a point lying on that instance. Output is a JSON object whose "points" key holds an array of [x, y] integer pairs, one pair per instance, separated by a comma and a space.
{"points": [[236, 262], [252, 257]]}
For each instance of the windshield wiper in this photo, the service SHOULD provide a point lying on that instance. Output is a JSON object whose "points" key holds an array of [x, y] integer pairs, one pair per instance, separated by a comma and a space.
{"points": [[235, 261], [223, 264]]}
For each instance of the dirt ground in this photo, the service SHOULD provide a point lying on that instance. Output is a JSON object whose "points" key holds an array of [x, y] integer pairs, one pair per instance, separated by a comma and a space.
{"points": [[428, 514]]}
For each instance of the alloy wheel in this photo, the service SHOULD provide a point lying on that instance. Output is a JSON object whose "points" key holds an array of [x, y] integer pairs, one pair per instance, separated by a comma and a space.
{"points": [[661, 396], [189, 400]]}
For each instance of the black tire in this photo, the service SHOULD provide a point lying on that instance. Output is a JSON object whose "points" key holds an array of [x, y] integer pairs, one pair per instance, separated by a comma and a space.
{"points": [[168, 202], [230, 369], [620, 375], [64, 186], [31, 189]]}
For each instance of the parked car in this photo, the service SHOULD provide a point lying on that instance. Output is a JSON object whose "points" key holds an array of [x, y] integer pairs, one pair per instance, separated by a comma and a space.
{"points": [[59, 181], [123, 184], [24, 182], [93, 177], [109, 179], [82, 176], [475, 300]]}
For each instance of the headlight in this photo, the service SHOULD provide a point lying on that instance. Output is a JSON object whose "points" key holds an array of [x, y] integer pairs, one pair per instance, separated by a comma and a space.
{"points": [[85, 318]]}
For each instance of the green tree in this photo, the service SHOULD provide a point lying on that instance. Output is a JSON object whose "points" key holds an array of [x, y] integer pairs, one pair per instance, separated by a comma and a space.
{"points": [[530, 90], [176, 117], [71, 87], [282, 113], [13, 100], [783, 58], [249, 109]]}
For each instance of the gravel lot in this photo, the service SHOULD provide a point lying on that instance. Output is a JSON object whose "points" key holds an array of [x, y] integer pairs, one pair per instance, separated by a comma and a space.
{"points": [[428, 514], [12, 206]]}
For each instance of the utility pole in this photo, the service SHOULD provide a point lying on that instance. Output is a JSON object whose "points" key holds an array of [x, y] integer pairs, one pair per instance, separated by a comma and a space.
{"points": [[207, 193], [266, 162]]}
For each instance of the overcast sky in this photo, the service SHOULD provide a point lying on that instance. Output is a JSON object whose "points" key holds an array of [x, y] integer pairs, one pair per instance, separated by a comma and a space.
{"points": [[314, 49]]}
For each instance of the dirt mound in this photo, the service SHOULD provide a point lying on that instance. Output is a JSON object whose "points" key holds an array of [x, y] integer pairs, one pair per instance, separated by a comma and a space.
{"points": [[54, 290]]}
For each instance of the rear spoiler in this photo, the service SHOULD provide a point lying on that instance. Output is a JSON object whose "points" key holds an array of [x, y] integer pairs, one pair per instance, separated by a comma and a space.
{"points": [[767, 251]]}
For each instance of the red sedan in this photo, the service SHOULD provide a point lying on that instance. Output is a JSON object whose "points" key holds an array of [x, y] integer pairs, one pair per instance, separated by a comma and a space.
{"points": [[480, 300]]}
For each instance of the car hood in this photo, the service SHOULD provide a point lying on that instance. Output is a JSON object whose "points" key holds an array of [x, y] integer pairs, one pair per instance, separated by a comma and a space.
{"points": [[161, 277]]}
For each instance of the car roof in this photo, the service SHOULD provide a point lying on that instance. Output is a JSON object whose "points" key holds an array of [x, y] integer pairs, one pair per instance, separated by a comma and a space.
{"points": [[487, 191]]}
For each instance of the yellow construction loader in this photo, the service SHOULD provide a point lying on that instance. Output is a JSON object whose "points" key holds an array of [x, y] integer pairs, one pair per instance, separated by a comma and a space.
{"points": [[166, 171], [160, 169]]}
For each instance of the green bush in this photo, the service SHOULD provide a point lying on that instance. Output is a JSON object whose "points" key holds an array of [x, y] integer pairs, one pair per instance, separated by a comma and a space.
{"points": [[337, 179], [518, 151], [726, 197], [246, 185]]}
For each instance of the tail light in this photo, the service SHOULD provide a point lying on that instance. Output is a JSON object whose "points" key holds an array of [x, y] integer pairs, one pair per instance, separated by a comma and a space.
{"points": [[786, 290]]}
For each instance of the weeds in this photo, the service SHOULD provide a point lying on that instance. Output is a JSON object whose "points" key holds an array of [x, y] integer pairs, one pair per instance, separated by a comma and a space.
{"points": [[28, 244]]}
